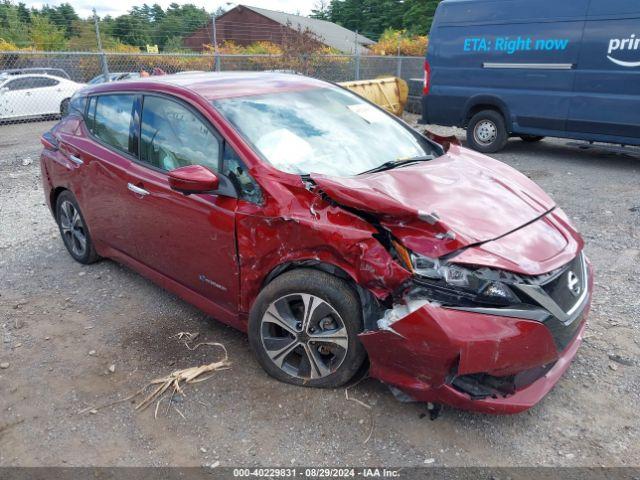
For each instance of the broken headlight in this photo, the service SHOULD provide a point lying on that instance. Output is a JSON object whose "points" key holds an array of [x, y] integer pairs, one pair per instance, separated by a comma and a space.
{"points": [[454, 284]]}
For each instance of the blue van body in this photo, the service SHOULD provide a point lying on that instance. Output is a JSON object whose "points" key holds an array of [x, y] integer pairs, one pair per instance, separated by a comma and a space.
{"points": [[549, 67]]}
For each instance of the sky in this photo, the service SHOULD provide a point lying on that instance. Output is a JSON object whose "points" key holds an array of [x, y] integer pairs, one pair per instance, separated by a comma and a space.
{"points": [[118, 7]]}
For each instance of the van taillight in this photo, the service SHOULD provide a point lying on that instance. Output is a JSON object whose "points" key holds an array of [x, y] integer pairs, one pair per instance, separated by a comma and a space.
{"points": [[427, 77]]}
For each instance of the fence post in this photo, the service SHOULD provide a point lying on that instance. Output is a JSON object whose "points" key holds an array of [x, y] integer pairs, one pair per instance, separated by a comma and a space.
{"points": [[103, 57], [357, 54], [399, 72], [216, 53]]}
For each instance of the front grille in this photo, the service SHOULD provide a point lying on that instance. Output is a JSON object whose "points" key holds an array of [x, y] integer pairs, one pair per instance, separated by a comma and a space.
{"points": [[563, 294], [563, 333], [559, 287], [574, 274]]}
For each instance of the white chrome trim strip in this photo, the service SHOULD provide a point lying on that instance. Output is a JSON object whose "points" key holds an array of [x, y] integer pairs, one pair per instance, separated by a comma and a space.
{"points": [[530, 66]]}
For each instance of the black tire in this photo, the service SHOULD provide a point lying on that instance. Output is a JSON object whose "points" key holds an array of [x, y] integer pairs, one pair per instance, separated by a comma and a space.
{"points": [[486, 132], [64, 107], [531, 138], [327, 290], [66, 206]]}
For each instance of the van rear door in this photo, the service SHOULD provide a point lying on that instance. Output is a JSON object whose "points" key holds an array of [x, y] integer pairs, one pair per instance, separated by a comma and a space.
{"points": [[605, 104]]}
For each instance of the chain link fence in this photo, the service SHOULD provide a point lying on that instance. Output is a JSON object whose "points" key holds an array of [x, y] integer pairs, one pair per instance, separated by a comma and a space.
{"points": [[34, 85]]}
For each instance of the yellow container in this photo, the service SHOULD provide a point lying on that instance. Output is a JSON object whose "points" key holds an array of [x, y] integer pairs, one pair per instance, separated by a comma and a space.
{"points": [[390, 93]]}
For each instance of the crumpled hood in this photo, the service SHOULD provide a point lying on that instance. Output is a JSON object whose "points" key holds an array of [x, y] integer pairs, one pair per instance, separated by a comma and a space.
{"points": [[439, 206]]}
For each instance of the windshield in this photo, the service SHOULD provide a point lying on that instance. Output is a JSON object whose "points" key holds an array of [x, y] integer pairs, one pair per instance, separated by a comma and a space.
{"points": [[324, 130]]}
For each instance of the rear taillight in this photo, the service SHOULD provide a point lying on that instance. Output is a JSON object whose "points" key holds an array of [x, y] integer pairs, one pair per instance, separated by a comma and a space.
{"points": [[427, 78], [49, 141]]}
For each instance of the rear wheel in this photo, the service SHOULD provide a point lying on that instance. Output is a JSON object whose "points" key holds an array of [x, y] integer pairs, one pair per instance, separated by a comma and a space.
{"points": [[531, 138], [486, 132], [303, 329], [73, 229]]}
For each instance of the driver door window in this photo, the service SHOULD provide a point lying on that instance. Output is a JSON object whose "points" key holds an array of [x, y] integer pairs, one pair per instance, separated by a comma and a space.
{"points": [[20, 84], [173, 136]]}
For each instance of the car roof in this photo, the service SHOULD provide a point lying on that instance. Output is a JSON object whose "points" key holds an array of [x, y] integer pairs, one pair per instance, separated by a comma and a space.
{"points": [[36, 70], [28, 75], [218, 85]]}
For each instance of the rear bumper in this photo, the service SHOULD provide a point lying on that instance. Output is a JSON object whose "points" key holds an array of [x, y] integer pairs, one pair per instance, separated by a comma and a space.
{"points": [[46, 181], [424, 352]]}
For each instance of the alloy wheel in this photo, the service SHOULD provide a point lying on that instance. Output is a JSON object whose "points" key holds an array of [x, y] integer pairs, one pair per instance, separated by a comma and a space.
{"points": [[73, 231], [304, 336]]}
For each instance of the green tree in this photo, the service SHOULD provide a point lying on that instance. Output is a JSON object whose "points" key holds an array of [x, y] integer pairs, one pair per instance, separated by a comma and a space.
{"points": [[157, 13], [179, 21], [62, 16], [175, 45], [419, 15], [12, 27], [132, 29], [372, 17], [321, 10], [23, 13], [44, 35]]}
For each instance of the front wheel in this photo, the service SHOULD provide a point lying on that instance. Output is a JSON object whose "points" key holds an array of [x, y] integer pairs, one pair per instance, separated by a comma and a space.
{"points": [[486, 132], [303, 329]]}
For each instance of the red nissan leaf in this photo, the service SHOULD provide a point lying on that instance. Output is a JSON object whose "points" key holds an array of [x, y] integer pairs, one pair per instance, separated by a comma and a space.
{"points": [[335, 235]]}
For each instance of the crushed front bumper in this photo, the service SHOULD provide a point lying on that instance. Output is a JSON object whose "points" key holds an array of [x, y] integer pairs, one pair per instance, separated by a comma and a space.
{"points": [[427, 352]]}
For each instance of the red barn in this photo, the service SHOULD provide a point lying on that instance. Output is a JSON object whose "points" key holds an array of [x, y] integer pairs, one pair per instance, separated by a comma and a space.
{"points": [[245, 25]]}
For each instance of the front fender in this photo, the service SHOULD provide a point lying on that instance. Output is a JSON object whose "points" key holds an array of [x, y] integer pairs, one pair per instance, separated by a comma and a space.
{"points": [[325, 234]]}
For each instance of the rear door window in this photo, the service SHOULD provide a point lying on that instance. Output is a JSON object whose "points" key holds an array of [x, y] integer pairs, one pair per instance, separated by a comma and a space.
{"points": [[110, 119], [41, 82], [77, 104], [174, 136]]}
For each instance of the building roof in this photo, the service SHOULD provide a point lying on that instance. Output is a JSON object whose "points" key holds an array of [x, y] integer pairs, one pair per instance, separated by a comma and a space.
{"points": [[329, 33]]}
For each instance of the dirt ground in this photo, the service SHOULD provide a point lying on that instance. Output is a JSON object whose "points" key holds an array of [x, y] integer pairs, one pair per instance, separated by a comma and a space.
{"points": [[64, 325]]}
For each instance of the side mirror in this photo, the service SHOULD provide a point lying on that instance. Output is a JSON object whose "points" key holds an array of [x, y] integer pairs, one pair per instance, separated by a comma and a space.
{"points": [[445, 142], [193, 179]]}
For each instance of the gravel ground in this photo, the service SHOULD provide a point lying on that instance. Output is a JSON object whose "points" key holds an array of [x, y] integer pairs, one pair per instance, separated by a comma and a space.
{"points": [[64, 325]]}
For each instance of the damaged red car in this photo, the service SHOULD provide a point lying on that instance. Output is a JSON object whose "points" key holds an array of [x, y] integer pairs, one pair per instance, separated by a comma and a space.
{"points": [[335, 235]]}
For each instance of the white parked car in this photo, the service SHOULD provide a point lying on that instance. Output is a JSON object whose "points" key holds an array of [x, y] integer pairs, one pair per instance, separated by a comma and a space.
{"points": [[35, 95]]}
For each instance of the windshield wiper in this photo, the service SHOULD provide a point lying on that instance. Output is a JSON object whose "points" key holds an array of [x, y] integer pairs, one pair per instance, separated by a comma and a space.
{"points": [[398, 163]]}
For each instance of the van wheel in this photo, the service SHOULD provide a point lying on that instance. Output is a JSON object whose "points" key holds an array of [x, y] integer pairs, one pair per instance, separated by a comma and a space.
{"points": [[303, 329], [531, 138], [486, 132]]}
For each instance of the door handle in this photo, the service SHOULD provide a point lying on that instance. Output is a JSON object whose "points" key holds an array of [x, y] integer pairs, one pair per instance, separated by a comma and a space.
{"points": [[137, 190], [76, 160]]}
